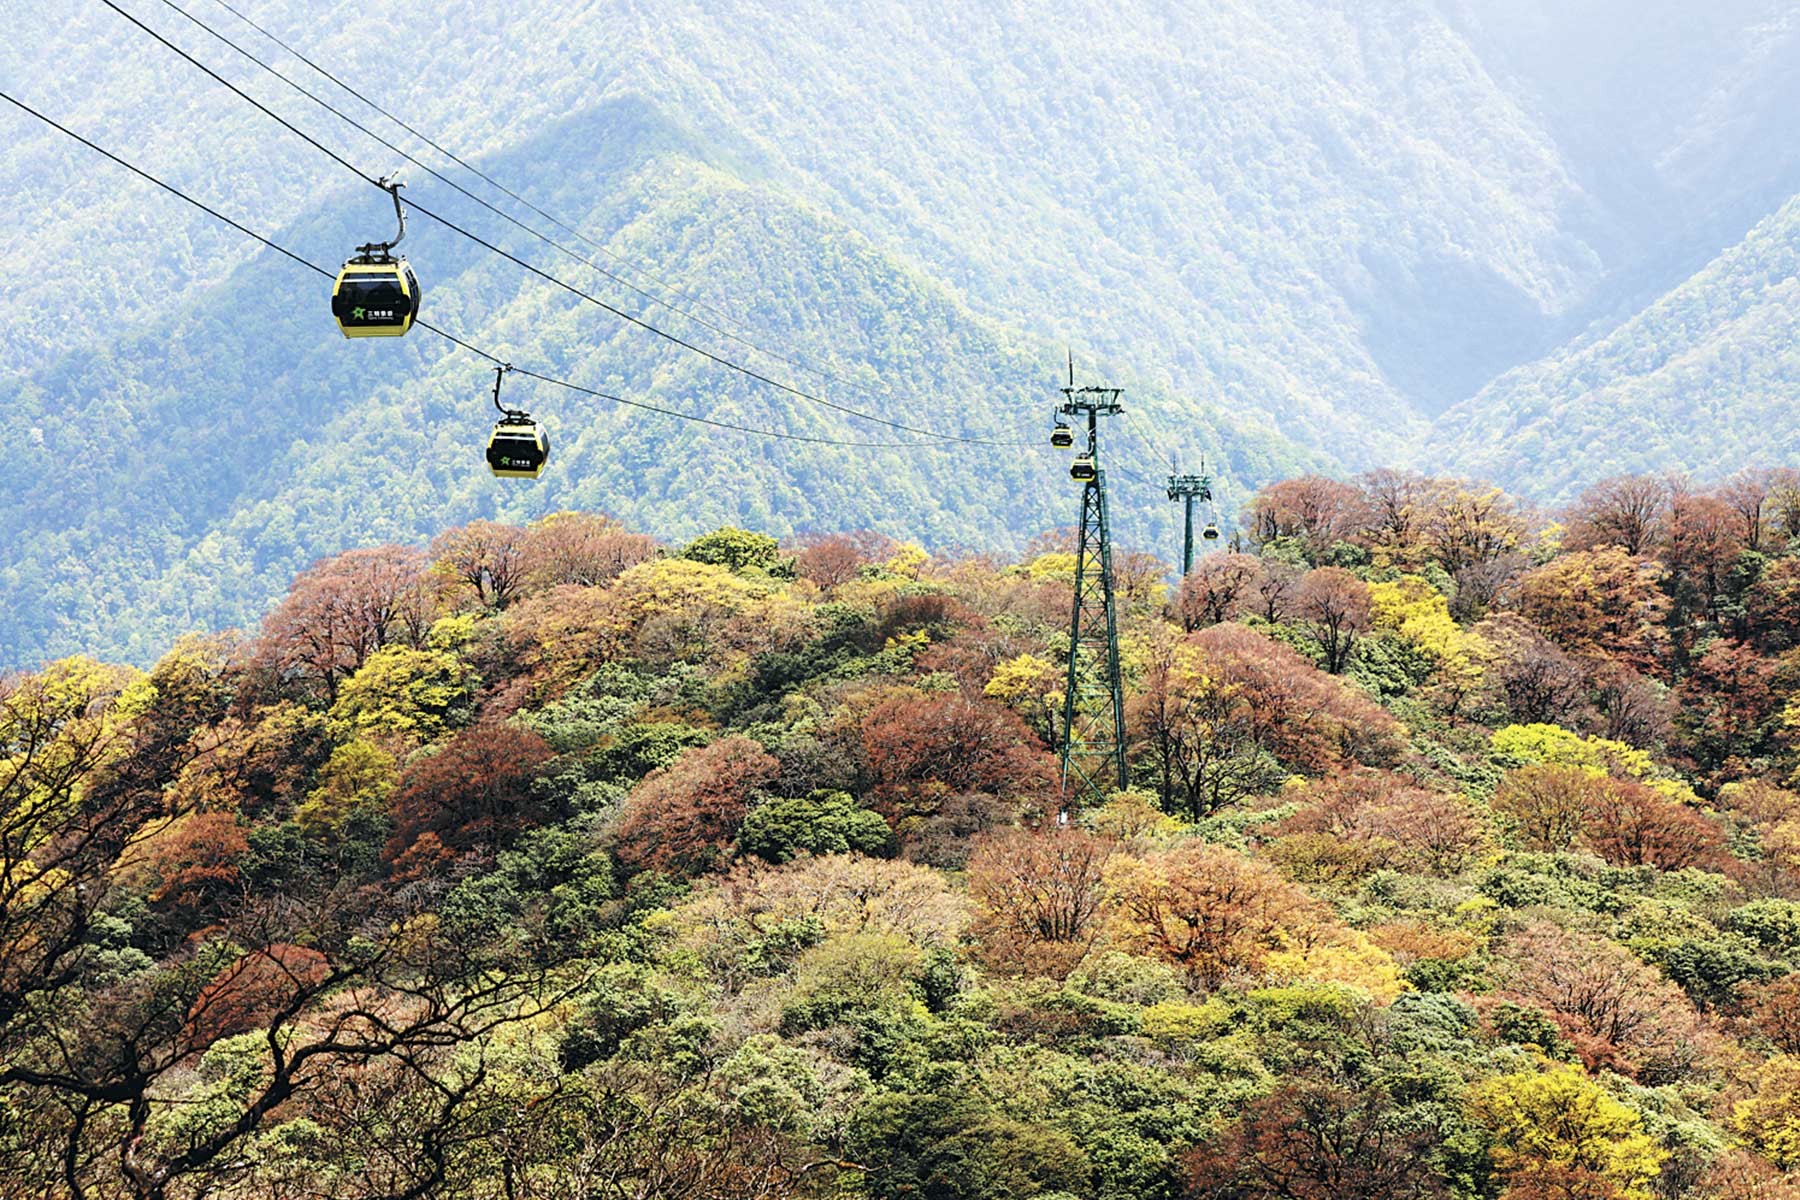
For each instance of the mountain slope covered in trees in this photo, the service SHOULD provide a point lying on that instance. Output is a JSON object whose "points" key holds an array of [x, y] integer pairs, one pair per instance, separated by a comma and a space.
{"points": [[846, 195], [1459, 862], [1294, 231]]}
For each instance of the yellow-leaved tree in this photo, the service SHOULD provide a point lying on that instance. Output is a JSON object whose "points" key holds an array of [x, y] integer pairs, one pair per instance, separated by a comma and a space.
{"points": [[1769, 1121], [908, 561], [1342, 956], [1030, 686], [58, 727], [401, 692], [1557, 1132], [358, 777], [1411, 607]]}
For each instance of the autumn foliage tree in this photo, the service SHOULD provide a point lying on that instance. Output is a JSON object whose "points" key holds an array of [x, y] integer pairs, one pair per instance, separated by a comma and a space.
{"points": [[1197, 732], [1632, 708], [472, 795], [1727, 704], [1393, 515], [835, 559], [1769, 1120], [1546, 805], [1626, 511], [580, 549], [253, 990], [1323, 1135], [1631, 824], [1222, 712], [1699, 547], [1391, 822], [1211, 912], [1617, 1011], [1217, 589], [1771, 618], [1468, 526], [195, 860], [68, 820], [683, 817], [1558, 1135], [1533, 678], [1040, 894], [341, 610], [1315, 511], [1601, 601], [485, 558], [1773, 1010], [1335, 604], [921, 750]]}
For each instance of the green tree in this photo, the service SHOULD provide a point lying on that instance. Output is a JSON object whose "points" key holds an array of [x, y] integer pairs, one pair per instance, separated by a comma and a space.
{"points": [[736, 550], [823, 822]]}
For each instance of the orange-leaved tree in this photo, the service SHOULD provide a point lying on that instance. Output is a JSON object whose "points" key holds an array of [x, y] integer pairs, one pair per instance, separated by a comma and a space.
{"points": [[473, 795], [683, 818], [1212, 912], [341, 610], [1040, 894]]}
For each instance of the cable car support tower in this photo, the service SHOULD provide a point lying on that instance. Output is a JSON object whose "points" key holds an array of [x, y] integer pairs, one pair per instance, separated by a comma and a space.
{"points": [[1189, 488], [1093, 749]]}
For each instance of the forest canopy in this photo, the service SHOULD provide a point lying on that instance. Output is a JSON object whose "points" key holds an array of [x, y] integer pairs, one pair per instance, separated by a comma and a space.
{"points": [[1460, 858]]}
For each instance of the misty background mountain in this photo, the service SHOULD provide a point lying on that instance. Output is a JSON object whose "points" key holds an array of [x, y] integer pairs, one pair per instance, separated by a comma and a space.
{"points": [[1535, 242]]}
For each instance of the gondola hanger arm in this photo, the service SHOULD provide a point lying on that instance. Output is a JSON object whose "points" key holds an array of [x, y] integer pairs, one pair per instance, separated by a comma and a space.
{"points": [[500, 373], [392, 187]]}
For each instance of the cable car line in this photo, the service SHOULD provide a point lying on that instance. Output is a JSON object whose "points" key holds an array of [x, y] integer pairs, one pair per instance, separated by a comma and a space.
{"points": [[721, 330], [482, 175], [572, 289], [455, 340], [1151, 443], [675, 339], [716, 423], [170, 188]]}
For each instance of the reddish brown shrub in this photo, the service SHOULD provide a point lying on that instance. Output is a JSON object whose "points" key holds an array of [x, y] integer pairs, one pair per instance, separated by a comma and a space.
{"points": [[683, 817]]}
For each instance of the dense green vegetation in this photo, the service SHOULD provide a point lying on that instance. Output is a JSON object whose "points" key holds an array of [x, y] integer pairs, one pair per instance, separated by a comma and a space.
{"points": [[1460, 861], [1293, 230]]}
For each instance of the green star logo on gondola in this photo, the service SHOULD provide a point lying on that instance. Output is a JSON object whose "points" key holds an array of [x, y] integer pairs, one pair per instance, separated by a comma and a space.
{"points": [[356, 314]]}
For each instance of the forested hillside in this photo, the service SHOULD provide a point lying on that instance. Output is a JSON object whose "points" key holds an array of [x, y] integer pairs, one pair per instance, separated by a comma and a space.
{"points": [[1293, 231], [1459, 861], [1708, 374]]}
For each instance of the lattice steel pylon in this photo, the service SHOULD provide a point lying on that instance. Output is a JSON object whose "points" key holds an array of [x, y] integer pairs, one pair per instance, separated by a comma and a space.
{"points": [[1189, 488], [1093, 750]]}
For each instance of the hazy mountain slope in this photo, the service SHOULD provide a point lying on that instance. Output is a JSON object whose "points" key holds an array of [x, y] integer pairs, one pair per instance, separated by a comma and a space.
{"points": [[1175, 189], [1673, 117], [1293, 228], [1185, 212], [1237, 197], [1704, 380]]}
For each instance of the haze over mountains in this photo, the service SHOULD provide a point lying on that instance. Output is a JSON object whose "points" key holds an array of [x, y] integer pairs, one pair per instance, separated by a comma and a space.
{"points": [[1537, 242]]}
